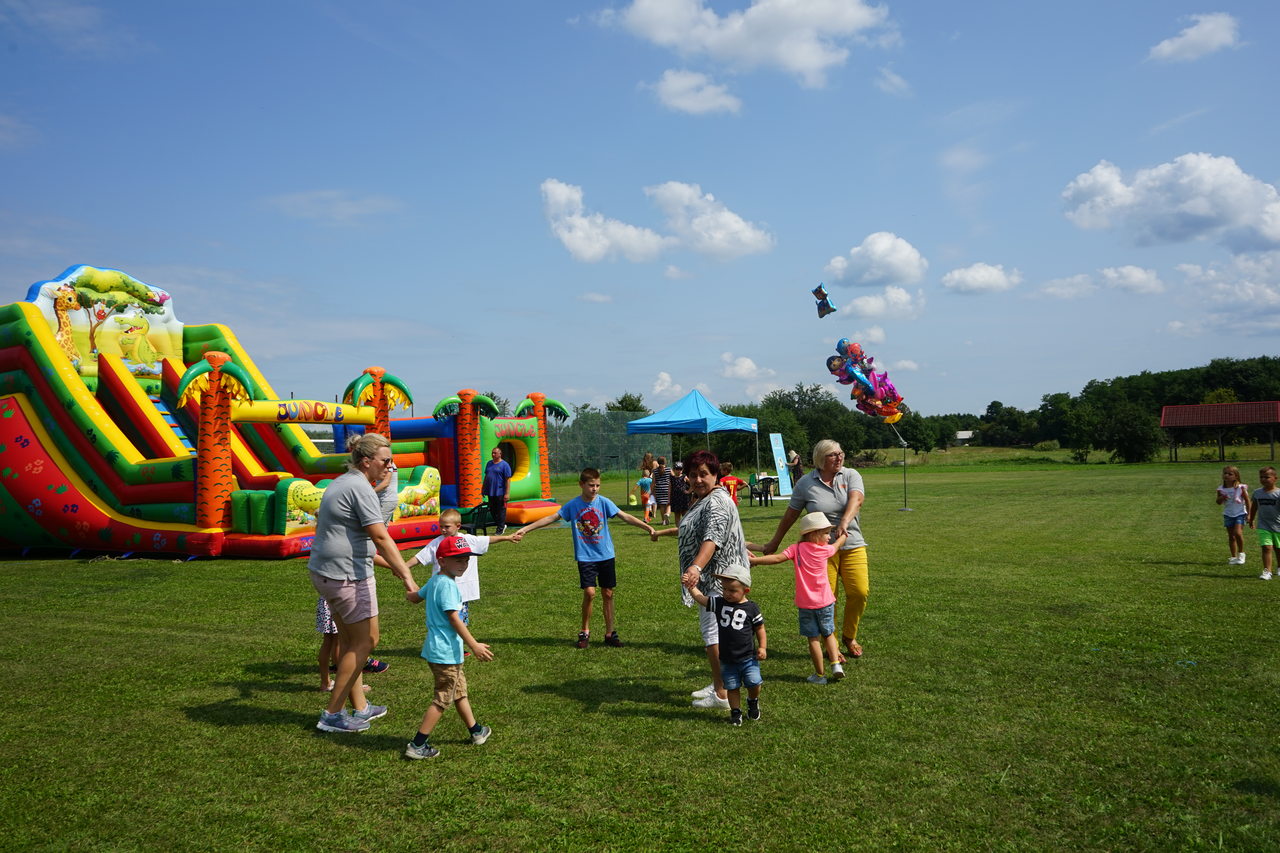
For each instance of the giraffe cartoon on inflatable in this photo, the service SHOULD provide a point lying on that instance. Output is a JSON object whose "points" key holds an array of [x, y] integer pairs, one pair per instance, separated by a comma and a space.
{"points": [[64, 300]]}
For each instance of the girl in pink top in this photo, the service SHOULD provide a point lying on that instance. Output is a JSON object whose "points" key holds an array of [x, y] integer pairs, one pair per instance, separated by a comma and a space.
{"points": [[814, 597]]}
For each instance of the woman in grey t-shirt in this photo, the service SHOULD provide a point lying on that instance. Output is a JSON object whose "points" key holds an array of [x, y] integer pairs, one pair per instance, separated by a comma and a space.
{"points": [[349, 530], [837, 492]]}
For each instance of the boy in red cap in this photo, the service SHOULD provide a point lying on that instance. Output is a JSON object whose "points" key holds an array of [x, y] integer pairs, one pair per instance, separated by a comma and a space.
{"points": [[446, 634]]}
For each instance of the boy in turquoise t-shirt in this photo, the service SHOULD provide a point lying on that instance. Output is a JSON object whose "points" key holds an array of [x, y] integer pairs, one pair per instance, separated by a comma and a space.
{"points": [[443, 647]]}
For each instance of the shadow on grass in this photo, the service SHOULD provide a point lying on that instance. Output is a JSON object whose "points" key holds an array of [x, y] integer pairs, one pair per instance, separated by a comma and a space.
{"points": [[1226, 576], [675, 649], [1261, 787], [605, 695], [235, 712]]}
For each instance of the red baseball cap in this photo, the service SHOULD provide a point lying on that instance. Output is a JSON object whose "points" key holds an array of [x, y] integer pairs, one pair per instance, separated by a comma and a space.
{"points": [[454, 546]]}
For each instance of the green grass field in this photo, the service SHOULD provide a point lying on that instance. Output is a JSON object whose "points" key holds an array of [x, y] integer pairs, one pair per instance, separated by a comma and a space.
{"points": [[1056, 657]]}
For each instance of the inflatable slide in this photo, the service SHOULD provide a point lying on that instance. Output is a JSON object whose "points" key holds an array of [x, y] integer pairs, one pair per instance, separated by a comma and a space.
{"points": [[124, 430]]}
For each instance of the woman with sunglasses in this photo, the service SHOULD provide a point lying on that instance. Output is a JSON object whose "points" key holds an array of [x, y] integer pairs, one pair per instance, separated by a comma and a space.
{"points": [[349, 531]]}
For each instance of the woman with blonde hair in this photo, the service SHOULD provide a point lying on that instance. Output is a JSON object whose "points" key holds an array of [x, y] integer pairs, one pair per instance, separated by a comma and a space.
{"points": [[349, 531], [838, 493]]}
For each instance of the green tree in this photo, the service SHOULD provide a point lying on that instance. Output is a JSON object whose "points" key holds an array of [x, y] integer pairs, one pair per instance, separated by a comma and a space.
{"points": [[1220, 395], [919, 434], [1052, 416], [502, 403], [1131, 433], [627, 402]]}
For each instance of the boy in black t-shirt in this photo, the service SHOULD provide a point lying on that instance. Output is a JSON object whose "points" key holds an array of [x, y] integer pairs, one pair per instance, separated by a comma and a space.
{"points": [[738, 620]]}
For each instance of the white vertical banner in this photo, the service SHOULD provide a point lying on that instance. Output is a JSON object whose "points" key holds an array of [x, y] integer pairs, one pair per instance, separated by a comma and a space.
{"points": [[780, 462]]}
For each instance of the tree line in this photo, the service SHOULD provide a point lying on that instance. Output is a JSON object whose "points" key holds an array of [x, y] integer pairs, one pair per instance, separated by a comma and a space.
{"points": [[1120, 416]]}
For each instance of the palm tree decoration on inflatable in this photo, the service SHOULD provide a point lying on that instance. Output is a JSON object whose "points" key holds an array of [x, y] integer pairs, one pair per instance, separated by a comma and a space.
{"points": [[470, 405], [214, 383], [381, 390], [542, 406]]}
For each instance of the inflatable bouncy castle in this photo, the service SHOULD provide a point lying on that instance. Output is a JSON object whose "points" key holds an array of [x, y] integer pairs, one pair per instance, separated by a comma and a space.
{"points": [[124, 430]]}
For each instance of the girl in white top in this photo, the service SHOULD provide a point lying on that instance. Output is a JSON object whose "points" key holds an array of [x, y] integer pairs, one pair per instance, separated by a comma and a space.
{"points": [[1233, 496]]}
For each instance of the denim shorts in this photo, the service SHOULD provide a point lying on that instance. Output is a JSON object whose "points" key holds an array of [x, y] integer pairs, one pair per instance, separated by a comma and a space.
{"points": [[738, 673], [819, 622], [1230, 521]]}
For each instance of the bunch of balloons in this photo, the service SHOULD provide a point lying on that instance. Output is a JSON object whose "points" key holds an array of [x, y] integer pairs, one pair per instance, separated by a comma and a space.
{"points": [[873, 392]]}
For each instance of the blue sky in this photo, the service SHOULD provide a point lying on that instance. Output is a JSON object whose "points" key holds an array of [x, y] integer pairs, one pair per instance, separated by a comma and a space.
{"points": [[583, 198]]}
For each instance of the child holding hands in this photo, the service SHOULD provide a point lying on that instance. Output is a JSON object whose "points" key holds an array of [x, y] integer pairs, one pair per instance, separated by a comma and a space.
{"points": [[446, 635], [740, 622], [1264, 516], [1233, 497], [814, 598]]}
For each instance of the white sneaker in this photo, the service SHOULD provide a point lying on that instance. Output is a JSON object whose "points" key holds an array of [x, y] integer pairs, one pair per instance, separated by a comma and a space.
{"points": [[1266, 576], [1242, 558], [704, 692], [1233, 561], [816, 679], [712, 701], [837, 671]]}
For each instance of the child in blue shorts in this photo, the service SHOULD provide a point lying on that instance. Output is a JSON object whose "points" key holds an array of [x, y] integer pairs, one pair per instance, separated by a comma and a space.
{"points": [[1233, 497], [740, 622]]}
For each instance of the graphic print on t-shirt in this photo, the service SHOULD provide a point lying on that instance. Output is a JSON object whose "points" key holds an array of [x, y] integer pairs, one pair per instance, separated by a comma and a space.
{"points": [[589, 526]]}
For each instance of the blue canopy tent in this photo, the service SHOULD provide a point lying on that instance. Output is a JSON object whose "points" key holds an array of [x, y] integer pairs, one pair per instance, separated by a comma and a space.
{"points": [[694, 413]]}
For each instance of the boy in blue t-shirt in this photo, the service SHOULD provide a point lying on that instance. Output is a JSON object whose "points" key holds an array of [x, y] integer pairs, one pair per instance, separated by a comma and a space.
{"points": [[588, 516], [443, 647]]}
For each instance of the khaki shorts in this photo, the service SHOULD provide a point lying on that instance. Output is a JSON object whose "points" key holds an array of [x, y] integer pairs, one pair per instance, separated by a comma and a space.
{"points": [[350, 601], [451, 684]]}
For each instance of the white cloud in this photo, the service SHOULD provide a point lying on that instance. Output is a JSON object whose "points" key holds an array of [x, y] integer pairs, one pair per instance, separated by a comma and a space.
{"points": [[871, 335], [742, 367], [591, 237], [1209, 33], [893, 304], [1196, 196], [333, 207], [674, 272], [891, 83], [882, 258], [599, 298], [78, 28], [1133, 279], [695, 220], [1247, 282], [1070, 287], [698, 94], [904, 364], [663, 386], [981, 278], [805, 39], [757, 390], [704, 224], [1244, 290]]}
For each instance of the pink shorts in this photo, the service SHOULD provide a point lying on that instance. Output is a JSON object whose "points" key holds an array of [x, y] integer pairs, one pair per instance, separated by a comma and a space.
{"points": [[349, 601]]}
